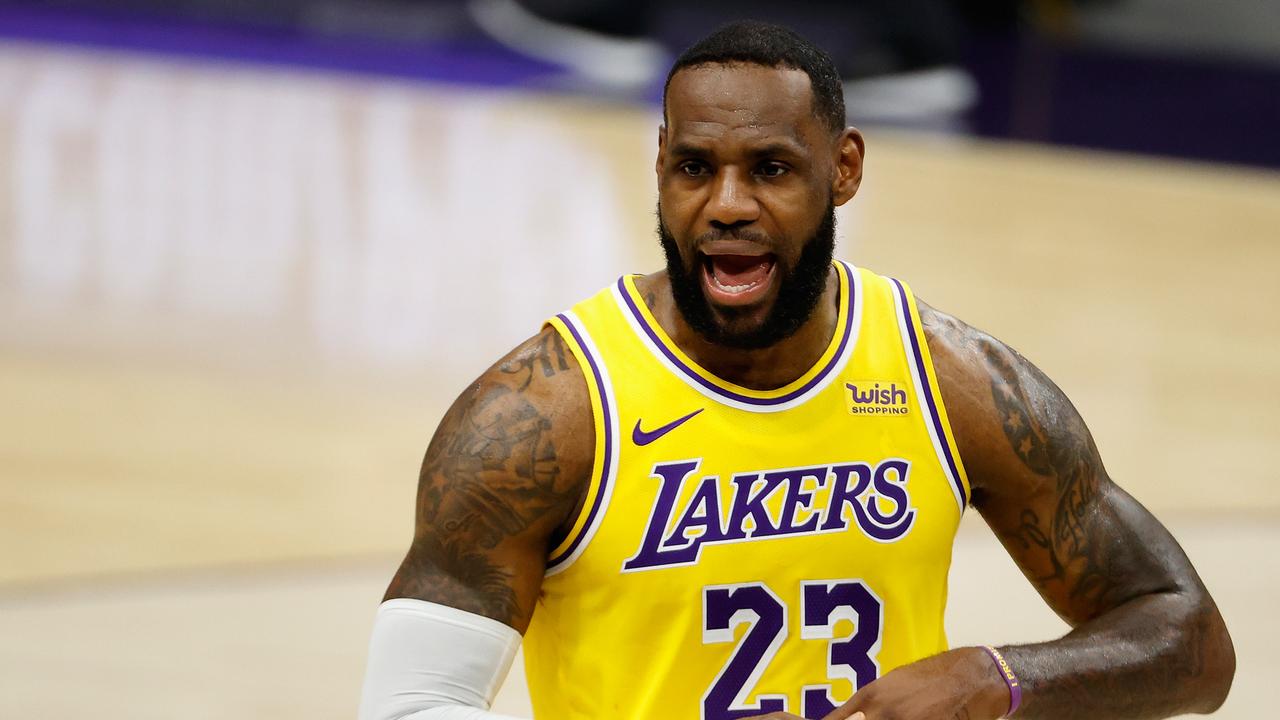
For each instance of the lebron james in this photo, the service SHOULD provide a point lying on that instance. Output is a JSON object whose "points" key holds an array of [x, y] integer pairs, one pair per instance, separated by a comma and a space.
{"points": [[730, 488]]}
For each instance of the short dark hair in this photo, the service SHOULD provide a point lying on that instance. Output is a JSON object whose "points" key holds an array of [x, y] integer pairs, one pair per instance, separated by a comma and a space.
{"points": [[759, 43]]}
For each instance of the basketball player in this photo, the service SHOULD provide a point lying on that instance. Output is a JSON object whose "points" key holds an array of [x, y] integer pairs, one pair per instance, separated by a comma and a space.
{"points": [[730, 488]]}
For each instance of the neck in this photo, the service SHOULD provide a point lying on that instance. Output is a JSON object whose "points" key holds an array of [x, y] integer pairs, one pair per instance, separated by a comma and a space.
{"points": [[761, 369]]}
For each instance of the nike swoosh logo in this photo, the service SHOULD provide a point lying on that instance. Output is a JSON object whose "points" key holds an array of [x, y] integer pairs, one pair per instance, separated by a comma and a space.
{"points": [[640, 437]]}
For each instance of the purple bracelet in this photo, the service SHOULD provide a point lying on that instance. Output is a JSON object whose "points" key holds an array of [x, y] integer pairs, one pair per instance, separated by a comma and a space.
{"points": [[1006, 672]]}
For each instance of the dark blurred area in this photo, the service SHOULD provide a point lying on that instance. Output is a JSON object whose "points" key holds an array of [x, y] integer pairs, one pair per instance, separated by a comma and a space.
{"points": [[1181, 78]]}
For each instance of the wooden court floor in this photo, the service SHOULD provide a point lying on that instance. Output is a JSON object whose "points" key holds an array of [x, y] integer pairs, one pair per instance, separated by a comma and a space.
{"points": [[234, 302]]}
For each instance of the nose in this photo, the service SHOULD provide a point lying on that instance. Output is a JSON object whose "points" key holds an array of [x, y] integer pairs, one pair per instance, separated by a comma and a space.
{"points": [[732, 202]]}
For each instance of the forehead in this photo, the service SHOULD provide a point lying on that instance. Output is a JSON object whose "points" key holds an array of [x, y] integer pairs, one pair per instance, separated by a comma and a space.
{"points": [[741, 101]]}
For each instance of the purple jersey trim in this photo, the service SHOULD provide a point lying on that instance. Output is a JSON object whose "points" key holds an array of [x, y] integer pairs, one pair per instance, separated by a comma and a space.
{"points": [[934, 416], [605, 468], [845, 333]]}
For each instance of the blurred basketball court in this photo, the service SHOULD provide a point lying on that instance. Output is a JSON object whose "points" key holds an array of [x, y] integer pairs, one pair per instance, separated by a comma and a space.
{"points": [[235, 300]]}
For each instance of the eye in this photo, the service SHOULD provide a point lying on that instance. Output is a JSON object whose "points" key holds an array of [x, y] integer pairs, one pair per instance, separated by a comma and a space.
{"points": [[693, 168], [772, 169]]}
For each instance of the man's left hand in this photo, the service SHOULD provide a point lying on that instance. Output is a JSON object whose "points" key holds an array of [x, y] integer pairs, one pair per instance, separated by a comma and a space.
{"points": [[961, 684]]}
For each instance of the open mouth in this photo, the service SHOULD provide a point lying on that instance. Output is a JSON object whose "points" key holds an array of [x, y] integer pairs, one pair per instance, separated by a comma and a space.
{"points": [[737, 279]]}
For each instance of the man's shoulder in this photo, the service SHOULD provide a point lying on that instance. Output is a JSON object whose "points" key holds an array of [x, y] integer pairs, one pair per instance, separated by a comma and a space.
{"points": [[541, 360], [525, 424], [969, 364], [996, 400], [537, 388], [542, 371], [958, 348], [965, 357]]}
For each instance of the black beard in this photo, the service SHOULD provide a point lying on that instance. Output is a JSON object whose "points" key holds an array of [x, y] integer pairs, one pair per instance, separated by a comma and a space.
{"points": [[799, 289]]}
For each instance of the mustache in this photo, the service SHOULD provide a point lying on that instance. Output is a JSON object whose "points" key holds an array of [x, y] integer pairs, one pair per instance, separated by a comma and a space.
{"points": [[743, 234], [738, 232]]}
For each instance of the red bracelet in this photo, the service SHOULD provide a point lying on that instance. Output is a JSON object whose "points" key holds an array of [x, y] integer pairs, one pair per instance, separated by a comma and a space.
{"points": [[1010, 679]]}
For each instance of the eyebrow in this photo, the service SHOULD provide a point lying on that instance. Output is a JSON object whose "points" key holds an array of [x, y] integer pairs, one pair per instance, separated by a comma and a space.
{"points": [[790, 149], [684, 149], [773, 148]]}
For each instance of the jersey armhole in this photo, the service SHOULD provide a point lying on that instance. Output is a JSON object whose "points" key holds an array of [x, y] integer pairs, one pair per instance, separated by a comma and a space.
{"points": [[926, 382], [605, 422]]}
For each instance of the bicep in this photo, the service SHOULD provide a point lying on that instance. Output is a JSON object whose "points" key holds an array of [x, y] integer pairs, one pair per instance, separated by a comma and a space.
{"points": [[1039, 482], [502, 474]]}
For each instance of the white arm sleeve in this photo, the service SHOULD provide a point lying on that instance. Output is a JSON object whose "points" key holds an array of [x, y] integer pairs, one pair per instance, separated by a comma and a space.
{"points": [[433, 662]]}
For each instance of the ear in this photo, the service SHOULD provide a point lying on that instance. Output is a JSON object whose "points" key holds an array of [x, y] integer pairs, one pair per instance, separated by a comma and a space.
{"points": [[662, 149], [850, 151]]}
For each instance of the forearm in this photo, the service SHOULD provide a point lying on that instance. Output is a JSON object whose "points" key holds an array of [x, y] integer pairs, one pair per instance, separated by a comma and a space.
{"points": [[433, 662], [1155, 656]]}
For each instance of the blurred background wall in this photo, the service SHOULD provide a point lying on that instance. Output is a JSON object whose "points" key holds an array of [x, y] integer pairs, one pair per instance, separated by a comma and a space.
{"points": [[250, 251]]}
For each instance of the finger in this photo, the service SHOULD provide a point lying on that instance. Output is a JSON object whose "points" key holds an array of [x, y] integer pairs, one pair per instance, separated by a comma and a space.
{"points": [[842, 713]]}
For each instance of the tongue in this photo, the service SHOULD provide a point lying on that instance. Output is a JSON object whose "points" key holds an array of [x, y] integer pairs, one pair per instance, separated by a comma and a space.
{"points": [[740, 270]]}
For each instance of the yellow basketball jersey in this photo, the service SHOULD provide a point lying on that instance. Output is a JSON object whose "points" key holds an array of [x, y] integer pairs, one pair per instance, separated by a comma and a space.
{"points": [[744, 551]]}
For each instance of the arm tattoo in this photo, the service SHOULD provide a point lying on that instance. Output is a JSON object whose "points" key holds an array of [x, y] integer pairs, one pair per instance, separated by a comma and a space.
{"points": [[1065, 455], [1148, 641], [491, 473], [551, 357]]}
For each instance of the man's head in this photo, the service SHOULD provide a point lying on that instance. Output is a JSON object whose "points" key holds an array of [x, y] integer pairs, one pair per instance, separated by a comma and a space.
{"points": [[753, 158]]}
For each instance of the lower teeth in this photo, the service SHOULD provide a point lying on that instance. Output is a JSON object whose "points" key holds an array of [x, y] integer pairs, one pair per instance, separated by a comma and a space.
{"points": [[735, 288]]}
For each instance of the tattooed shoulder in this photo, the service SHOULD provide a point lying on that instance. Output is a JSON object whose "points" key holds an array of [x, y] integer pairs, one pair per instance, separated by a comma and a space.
{"points": [[543, 355], [1036, 474], [988, 385], [503, 474]]}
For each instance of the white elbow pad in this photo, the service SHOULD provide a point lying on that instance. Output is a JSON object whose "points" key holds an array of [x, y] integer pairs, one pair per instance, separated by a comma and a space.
{"points": [[433, 662]]}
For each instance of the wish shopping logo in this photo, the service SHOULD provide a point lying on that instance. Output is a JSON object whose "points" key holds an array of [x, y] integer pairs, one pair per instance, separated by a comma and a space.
{"points": [[876, 397]]}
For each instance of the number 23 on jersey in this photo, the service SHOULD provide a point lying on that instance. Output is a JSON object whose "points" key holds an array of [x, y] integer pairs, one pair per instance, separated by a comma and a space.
{"points": [[822, 604]]}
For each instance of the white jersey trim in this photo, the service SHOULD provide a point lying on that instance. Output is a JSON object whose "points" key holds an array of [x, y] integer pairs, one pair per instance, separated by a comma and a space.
{"points": [[598, 374], [932, 421]]}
